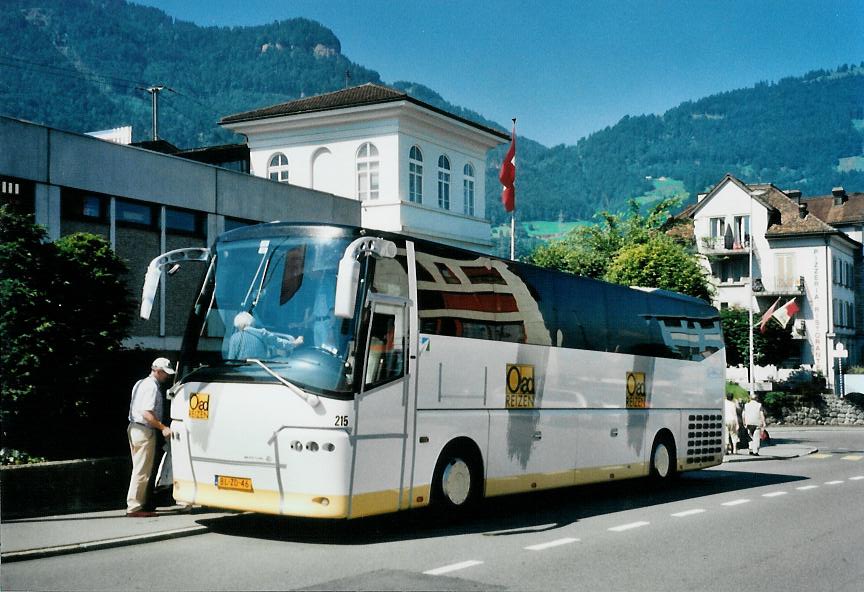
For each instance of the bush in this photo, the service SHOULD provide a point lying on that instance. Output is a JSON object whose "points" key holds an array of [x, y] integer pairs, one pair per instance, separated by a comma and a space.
{"points": [[64, 312], [855, 370], [738, 392], [10, 456], [775, 400]]}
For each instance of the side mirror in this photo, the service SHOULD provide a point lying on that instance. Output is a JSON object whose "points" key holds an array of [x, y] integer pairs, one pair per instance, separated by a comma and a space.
{"points": [[154, 273], [349, 271], [346, 287]]}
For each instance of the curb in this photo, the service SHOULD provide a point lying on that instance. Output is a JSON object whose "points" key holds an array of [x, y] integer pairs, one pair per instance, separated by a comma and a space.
{"points": [[748, 458], [43, 552]]}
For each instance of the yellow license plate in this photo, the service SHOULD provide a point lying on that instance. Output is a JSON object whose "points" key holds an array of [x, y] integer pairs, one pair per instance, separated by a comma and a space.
{"points": [[237, 483]]}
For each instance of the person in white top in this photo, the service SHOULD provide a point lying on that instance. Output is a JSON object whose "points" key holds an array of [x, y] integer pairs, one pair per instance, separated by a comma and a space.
{"points": [[730, 418], [145, 413], [754, 420]]}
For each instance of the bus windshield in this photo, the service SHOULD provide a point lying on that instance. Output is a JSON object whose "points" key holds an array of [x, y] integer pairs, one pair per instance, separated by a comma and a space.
{"points": [[271, 300]]}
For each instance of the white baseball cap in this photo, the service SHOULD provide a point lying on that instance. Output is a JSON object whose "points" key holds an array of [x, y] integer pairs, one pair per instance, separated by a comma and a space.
{"points": [[163, 364]]}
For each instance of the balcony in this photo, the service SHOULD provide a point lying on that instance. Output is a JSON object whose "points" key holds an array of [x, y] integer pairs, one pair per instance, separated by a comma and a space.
{"points": [[715, 247], [780, 287], [446, 226]]}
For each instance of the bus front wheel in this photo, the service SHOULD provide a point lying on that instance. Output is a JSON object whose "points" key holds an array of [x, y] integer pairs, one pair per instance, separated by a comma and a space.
{"points": [[663, 461], [456, 483]]}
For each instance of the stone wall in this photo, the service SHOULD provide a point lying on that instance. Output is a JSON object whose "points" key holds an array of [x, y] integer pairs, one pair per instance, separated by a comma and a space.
{"points": [[64, 487], [829, 409]]}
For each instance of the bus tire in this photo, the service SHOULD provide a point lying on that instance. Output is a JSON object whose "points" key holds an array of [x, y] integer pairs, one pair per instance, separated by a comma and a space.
{"points": [[456, 483], [663, 459]]}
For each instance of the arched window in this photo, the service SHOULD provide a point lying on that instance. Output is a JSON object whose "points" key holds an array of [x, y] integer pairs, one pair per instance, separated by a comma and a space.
{"points": [[415, 175], [443, 182], [367, 172], [468, 188], [277, 169]]}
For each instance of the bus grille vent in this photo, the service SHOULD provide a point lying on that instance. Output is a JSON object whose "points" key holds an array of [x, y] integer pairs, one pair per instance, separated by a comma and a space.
{"points": [[704, 439]]}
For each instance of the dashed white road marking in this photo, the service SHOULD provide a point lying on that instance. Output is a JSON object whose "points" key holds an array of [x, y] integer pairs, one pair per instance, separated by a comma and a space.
{"points": [[550, 544], [858, 478], [774, 494], [821, 455], [688, 513], [630, 526], [852, 457], [453, 567], [833, 482], [806, 487], [737, 502]]}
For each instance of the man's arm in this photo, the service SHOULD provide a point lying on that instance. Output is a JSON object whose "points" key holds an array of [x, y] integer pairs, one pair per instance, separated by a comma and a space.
{"points": [[154, 422]]}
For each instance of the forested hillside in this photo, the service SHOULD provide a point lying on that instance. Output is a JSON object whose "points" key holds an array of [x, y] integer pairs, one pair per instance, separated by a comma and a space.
{"points": [[84, 65]]}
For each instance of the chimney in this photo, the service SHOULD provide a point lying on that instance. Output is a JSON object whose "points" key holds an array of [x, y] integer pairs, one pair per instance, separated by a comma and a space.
{"points": [[802, 210], [794, 194], [840, 196]]}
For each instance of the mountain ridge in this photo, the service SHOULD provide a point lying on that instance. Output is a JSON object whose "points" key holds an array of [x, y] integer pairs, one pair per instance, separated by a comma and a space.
{"points": [[85, 61]]}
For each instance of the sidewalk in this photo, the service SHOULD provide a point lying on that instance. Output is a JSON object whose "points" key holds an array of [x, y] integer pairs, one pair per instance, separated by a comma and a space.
{"points": [[34, 538], [780, 448]]}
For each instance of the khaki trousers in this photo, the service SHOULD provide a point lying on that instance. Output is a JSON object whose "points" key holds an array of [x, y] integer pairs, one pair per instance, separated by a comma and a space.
{"points": [[142, 447]]}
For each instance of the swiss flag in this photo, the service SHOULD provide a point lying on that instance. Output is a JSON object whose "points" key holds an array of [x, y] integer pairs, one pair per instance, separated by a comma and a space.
{"points": [[763, 322], [786, 312], [507, 175]]}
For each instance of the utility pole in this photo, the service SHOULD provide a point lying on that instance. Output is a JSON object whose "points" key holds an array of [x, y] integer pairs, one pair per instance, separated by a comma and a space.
{"points": [[154, 93]]}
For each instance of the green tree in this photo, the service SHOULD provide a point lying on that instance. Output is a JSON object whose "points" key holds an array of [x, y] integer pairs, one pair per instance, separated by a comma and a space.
{"points": [[630, 249], [771, 347], [64, 310], [588, 250], [659, 263]]}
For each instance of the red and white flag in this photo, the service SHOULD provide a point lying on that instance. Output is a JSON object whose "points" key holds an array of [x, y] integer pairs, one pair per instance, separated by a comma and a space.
{"points": [[763, 322], [786, 312], [507, 175]]}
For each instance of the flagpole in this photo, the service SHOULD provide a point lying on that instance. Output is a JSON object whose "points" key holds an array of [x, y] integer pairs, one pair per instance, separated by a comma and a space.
{"points": [[513, 235], [750, 302]]}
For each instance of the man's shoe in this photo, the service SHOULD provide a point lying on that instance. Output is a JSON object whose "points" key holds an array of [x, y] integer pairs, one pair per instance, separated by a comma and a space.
{"points": [[140, 514]]}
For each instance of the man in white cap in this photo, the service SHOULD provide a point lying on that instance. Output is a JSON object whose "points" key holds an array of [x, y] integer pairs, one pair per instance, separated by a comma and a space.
{"points": [[754, 419], [145, 418]]}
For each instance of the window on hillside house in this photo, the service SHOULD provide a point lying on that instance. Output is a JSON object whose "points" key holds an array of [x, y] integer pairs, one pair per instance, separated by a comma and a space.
{"points": [[415, 175], [443, 182], [784, 274], [277, 168], [468, 189], [718, 227], [741, 231], [367, 172]]}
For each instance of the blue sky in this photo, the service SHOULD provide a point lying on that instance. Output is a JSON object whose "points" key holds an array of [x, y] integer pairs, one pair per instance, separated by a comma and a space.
{"points": [[569, 68]]}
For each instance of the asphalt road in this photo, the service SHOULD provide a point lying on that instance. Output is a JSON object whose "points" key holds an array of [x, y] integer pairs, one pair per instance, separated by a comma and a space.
{"points": [[757, 524]]}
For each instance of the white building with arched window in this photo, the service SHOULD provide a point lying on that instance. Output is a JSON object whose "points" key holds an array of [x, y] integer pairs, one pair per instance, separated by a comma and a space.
{"points": [[400, 157]]}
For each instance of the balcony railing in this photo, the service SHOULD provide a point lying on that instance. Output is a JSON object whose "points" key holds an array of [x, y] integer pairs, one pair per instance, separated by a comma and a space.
{"points": [[779, 287], [715, 246]]}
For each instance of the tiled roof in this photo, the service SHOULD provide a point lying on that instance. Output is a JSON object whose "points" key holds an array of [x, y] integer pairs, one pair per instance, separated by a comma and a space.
{"points": [[357, 96], [849, 212], [790, 222]]}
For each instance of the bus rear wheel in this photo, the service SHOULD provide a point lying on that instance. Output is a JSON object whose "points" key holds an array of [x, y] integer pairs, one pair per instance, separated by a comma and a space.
{"points": [[663, 461], [456, 482]]}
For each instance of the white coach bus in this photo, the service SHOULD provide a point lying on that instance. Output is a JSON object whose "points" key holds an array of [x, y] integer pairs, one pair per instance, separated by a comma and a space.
{"points": [[362, 372]]}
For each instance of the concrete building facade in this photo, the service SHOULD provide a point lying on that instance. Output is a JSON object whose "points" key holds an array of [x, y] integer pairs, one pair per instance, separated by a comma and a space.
{"points": [[797, 251], [145, 203], [413, 168]]}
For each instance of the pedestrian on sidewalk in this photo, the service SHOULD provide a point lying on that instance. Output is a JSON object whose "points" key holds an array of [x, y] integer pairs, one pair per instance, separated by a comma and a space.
{"points": [[145, 421], [754, 419], [730, 418]]}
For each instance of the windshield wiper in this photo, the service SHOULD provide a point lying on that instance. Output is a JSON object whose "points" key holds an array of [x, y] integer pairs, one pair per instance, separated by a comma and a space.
{"points": [[311, 400]]}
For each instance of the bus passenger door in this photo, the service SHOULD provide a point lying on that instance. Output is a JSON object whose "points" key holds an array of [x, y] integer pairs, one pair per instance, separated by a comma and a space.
{"points": [[383, 410]]}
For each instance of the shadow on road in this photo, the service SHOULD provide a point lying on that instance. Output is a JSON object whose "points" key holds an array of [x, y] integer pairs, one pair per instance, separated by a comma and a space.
{"points": [[514, 514]]}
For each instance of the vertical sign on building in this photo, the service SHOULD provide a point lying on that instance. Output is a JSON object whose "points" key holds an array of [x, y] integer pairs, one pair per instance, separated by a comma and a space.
{"points": [[814, 304]]}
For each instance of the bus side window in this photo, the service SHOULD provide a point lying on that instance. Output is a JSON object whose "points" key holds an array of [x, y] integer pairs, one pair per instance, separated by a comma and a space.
{"points": [[385, 359]]}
